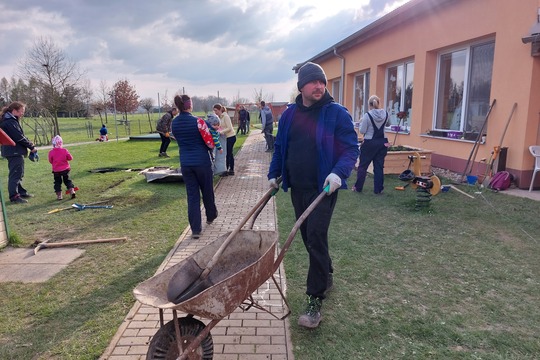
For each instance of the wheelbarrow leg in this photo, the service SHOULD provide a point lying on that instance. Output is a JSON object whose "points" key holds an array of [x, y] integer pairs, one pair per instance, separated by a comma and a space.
{"points": [[182, 338], [177, 332], [161, 321], [197, 341], [283, 297]]}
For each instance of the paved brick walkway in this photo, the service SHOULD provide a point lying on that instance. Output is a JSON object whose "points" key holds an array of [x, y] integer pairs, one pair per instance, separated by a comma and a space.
{"points": [[254, 334]]}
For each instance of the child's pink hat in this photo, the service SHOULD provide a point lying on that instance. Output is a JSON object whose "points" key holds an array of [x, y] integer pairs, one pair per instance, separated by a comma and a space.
{"points": [[57, 141]]}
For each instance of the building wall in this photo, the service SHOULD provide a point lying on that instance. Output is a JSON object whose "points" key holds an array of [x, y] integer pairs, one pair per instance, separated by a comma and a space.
{"points": [[421, 35]]}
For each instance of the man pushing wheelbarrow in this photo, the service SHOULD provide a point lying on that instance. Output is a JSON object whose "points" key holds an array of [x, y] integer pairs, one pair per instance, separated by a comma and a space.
{"points": [[316, 146]]}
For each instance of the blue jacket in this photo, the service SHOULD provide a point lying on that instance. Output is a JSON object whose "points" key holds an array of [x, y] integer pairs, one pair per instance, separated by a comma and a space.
{"points": [[193, 150], [10, 124], [337, 145]]}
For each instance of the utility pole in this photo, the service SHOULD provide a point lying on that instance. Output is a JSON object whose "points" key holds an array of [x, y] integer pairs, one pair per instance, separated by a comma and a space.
{"points": [[114, 107], [159, 106]]}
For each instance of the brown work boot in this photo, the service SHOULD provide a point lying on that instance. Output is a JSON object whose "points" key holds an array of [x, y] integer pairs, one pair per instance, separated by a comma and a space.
{"points": [[312, 316]]}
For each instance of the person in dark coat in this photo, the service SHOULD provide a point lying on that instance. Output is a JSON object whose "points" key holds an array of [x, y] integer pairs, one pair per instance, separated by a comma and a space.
{"points": [[316, 148], [194, 143], [164, 130], [243, 118], [10, 123]]}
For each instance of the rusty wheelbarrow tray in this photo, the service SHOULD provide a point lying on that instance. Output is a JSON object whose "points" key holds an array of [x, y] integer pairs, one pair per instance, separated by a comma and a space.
{"points": [[245, 264]]}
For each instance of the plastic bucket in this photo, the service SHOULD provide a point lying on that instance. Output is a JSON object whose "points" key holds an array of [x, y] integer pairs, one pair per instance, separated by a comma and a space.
{"points": [[471, 179]]}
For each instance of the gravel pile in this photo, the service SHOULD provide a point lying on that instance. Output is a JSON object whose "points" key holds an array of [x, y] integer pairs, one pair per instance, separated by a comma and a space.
{"points": [[453, 176]]}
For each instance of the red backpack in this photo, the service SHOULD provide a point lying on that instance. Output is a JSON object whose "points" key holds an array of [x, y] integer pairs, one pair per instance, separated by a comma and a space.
{"points": [[500, 181]]}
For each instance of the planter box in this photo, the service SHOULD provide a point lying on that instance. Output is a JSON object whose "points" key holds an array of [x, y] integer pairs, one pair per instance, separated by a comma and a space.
{"points": [[397, 161]]}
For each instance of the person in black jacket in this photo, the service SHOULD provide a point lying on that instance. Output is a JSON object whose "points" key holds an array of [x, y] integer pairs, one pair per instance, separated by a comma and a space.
{"points": [[243, 120], [10, 123], [164, 130], [316, 148]]}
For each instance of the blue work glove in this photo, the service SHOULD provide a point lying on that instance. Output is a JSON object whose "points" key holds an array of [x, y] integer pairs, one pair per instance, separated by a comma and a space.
{"points": [[33, 156], [273, 183], [334, 181]]}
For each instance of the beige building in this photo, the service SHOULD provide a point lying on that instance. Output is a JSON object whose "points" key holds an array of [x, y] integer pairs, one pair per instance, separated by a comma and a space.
{"points": [[446, 63]]}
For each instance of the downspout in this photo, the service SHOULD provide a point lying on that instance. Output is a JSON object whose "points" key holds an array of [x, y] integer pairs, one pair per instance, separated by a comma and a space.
{"points": [[342, 82]]}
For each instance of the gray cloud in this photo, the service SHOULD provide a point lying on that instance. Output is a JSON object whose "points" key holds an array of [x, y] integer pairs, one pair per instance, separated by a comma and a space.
{"points": [[163, 44]]}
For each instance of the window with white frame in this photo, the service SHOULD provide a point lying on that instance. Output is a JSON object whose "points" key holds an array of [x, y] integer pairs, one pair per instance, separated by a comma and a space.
{"points": [[399, 92], [336, 84], [361, 97], [463, 88]]}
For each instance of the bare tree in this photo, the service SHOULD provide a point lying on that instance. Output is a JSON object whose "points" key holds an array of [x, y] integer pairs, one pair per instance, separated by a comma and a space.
{"points": [[71, 102], [259, 96], [4, 91], [17, 89], [54, 72], [165, 106], [102, 100], [148, 104], [86, 96], [98, 107]]}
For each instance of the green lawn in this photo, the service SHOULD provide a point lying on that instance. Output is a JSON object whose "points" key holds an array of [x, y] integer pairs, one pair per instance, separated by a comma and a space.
{"points": [[457, 280], [75, 314]]}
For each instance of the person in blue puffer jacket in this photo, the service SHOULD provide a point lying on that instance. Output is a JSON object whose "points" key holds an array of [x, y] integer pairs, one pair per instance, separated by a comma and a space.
{"points": [[10, 123], [194, 144]]}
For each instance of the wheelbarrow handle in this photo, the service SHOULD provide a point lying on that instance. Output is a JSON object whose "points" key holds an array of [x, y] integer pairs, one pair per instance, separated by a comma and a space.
{"points": [[262, 206], [297, 225]]}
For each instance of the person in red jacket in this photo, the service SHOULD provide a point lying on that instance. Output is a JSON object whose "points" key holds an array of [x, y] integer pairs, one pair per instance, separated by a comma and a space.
{"points": [[59, 157]]}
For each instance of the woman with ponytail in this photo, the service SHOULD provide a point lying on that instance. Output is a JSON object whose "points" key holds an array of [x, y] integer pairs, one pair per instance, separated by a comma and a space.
{"points": [[194, 144]]}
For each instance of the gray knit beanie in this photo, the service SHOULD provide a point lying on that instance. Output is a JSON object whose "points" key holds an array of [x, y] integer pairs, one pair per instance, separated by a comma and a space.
{"points": [[212, 119], [309, 72]]}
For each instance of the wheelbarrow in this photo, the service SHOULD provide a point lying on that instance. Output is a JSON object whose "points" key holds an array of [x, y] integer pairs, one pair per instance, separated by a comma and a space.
{"points": [[244, 264]]}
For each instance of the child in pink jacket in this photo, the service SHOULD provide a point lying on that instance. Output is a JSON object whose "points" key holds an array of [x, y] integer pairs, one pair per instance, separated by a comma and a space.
{"points": [[59, 158]]}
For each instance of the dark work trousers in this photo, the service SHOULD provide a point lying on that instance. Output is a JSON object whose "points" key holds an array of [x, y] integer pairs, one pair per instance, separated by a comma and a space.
{"points": [[16, 174], [314, 232], [269, 136], [241, 127], [229, 161], [62, 176], [165, 141], [199, 179], [374, 151]]}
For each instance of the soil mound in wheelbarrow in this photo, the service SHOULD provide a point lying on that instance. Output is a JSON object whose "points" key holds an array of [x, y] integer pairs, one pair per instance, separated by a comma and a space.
{"points": [[246, 263]]}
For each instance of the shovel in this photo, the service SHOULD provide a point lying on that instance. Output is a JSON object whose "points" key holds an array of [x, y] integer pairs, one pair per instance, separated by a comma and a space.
{"points": [[190, 279], [73, 207], [82, 207], [45, 244]]}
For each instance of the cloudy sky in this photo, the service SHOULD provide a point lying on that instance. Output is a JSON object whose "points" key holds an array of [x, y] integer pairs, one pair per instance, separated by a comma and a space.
{"points": [[234, 47]]}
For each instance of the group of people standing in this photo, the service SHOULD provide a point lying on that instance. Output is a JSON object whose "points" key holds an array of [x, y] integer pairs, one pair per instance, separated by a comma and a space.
{"points": [[315, 150]]}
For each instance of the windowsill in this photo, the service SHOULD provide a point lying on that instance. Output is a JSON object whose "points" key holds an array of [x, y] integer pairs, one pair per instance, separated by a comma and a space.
{"points": [[450, 139]]}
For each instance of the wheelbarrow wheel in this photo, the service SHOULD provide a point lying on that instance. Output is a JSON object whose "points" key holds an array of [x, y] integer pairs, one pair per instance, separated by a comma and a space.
{"points": [[164, 345]]}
